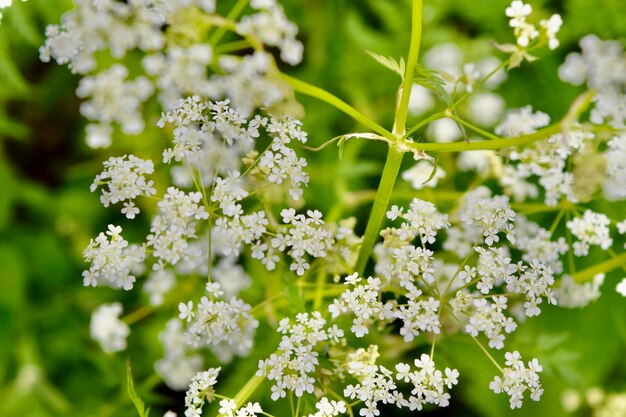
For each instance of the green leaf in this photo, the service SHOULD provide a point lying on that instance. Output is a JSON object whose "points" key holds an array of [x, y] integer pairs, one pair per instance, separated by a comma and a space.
{"points": [[434, 171], [388, 63], [130, 388], [434, 81]]}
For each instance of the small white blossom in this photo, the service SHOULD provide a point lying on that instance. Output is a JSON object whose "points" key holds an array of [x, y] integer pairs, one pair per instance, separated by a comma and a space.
{"points": [[292, 365], [113, 261], [517, 379], [429, 384], [107, 329], [592, 229], [124, 179], [200, 390]]}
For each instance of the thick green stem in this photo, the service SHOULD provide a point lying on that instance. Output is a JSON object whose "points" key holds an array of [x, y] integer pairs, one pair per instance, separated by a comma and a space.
{"points": [[603, 267], [247, 390], [387, 181], [394, 156]]}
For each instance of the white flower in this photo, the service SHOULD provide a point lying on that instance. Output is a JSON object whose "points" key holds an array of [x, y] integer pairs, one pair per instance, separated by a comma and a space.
{"points": [[216, 322], [591, 229], [107, 329], [517, 379], [186, 311], [521, 122], [113, 261], [200, 389], [124, 179], [518, 11], [551, 27]]}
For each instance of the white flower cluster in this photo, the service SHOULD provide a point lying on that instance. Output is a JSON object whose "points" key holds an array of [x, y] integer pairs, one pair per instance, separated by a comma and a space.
{"points": [[201, 126], [107, 329], [591, 229], [602, 65], [420, 314], [174, 225], [252, 82], [217, 322], [428, 383], [292, 365], [228, 408], [517, 378], [534, 282], [537, 244], [200, 390], [328, 408], [615, 183], [489, 318], [522, 122], [177, 66], [178, 364], [552, 160], [306, 235], [375, 382], [271, 26], [422, 219], [125, 180], [280, 162], [571, 294], [362, 301], [408, 265], [526, 32], [113, 99], [96, 25], [113, 261], [484, 215], [180, 71], [248, 229]]}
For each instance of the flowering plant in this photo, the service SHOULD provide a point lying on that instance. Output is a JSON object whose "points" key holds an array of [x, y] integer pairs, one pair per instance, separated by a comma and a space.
{"points": [[485, 215]]}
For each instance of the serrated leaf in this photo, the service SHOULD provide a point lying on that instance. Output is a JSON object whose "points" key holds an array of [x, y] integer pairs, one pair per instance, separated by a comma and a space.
{"points": [[388, 63]]}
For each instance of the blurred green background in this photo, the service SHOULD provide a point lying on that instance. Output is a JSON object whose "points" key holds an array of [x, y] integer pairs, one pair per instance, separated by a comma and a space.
{"points": [[48, 364]]}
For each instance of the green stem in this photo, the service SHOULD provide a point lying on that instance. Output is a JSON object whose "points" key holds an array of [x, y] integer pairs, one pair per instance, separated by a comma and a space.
{"points": [[479, 85], [394, 156], [494, 144], [476, 129], [232, 47], [385, 188], [323, 95], [248, 389], [232, 15], [407, 81], [603, 267], [427, 120]]}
